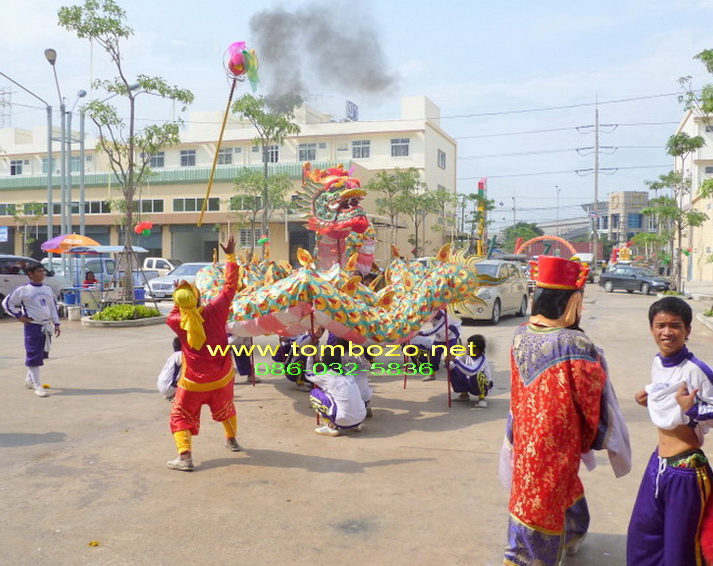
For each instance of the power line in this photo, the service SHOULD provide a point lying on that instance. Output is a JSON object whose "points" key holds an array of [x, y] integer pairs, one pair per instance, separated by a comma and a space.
{"points": [[556, 172], [544, 151]]}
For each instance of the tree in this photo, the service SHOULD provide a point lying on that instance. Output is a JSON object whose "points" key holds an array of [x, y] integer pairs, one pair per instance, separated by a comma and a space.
{"points": [[273, 118], [249, 200], [24, 215], [129, 151], [478, 219], [669, 211], [524, 230], [390, 185], [417, 204]]}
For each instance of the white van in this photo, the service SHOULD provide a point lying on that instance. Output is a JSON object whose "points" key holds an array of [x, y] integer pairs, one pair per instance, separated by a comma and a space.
{"points": [[161, 264], [12, 276], [587, 258]]}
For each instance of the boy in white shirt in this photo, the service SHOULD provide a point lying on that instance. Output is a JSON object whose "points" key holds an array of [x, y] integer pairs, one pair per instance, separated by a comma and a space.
{"points": [[34, 305], [666, 519], [336, 398]]}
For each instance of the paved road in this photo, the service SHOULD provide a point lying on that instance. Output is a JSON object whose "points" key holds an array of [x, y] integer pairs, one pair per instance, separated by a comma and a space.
{"points": [[418, 487]]}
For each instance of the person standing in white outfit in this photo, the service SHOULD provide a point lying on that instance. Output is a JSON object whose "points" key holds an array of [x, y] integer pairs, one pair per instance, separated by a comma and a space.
{"points": [[34, 305]]}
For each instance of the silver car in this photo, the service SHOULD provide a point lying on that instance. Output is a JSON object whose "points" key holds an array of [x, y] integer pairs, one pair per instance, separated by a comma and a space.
{"points": [[162, 287], [508, 296]]}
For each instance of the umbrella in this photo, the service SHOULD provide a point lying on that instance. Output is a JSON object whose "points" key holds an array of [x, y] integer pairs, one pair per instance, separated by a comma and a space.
{"points": [[60, 244]]}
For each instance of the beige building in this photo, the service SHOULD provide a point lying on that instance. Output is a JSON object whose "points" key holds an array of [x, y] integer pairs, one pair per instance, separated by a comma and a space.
{"points": [[698, 265], [172, 198]]}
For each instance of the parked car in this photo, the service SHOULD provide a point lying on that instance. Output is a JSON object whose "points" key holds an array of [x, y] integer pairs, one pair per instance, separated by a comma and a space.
{"points": [[508, 297], [632, 279], [12, 275], [162, 287], [161, 264]]}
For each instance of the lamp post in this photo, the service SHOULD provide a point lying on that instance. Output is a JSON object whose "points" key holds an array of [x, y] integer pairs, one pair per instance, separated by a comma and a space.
{"points": [[70, 139], [558, 209], [49, 157], [51, 56]]}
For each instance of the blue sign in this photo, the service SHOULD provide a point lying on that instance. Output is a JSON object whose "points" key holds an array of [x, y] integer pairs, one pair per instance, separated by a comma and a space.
{"points": [[3, 233], [352, 111]]}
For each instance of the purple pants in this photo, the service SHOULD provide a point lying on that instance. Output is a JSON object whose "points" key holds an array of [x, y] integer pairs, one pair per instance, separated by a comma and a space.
{"points": [[665, 521], [477, 384], [528, 545], [35, 345], [325, 406], [244, 364]]}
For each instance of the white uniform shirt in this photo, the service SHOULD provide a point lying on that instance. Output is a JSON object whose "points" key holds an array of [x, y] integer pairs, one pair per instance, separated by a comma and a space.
{"points": [[470, 365], [667, 374], [171, 372], [33, 301], [346, 395]]}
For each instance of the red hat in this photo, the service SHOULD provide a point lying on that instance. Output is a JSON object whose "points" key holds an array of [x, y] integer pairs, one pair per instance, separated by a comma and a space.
{"points": [[557, 273]]}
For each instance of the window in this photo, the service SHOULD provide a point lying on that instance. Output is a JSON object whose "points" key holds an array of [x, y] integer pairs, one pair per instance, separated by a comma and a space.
{"points": [[188, 157], [7, 209], [307, 152], [225, 156], [605, 222], [44, 165], [256, 148], [361, 149], [97, 207], [245, 202], [152, 205], [709, 170], [75, 165], [194, 204], [249, 238], [273, 153], [634, 221], [615, 221], [158, 160], [322, 145], [441, 159], [238, 150], [399, 147], [709, 129], [16, 167]]}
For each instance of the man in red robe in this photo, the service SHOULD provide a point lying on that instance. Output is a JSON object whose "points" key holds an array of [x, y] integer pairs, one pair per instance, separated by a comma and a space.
{"points": [[205, 379], [558, 381]]}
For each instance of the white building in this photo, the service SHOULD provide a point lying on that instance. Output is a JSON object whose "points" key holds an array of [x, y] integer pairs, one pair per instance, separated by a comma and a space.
{"points": [[174, 194], [698, 264]]}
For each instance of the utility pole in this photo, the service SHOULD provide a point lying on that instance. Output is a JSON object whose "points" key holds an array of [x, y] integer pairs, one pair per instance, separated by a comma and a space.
{"points": [[557, 230], [595, 218]]}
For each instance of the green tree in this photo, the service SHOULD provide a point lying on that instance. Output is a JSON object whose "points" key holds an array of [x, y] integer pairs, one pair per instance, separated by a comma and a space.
{"points": [[670, 212], [390, 185], [273, 118], [25, 215], [524, 230], [416, 204], [249, 199], [129, 150]]}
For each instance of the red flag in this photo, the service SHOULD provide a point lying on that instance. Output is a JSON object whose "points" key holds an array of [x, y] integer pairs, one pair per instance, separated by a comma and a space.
{"points": [[483, 184]]}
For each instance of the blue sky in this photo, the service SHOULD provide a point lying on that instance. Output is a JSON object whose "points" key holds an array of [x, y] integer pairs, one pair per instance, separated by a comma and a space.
{"points": [[486, 66]]}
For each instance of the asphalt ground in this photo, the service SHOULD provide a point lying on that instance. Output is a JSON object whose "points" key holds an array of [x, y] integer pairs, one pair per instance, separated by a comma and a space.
{"points": [[419, 486]]}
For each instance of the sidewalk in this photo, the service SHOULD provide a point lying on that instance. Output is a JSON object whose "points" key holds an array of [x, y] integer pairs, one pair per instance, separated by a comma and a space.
{"points": [[699, 290]]}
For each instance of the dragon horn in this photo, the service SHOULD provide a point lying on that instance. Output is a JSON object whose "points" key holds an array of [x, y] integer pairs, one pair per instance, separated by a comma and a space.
{"points": [[395, 253], [443, 253], [304, 257], [351, 262]]}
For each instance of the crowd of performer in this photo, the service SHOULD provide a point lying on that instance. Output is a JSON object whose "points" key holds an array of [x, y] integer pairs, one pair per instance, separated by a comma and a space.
{"points": [[562, 406]]}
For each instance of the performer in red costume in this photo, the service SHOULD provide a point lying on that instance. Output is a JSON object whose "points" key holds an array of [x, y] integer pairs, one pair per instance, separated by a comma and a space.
{"points": [[562, 406], [205, 379]]}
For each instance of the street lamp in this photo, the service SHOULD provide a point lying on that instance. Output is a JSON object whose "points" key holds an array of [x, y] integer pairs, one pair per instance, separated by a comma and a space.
{"points": [[558, 209], [80, 94], [49, 156], [51, 56]]}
